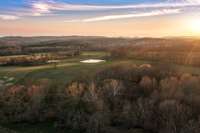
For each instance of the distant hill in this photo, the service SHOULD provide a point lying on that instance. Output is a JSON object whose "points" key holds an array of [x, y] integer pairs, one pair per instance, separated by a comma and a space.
{"points": [[28, 45]]}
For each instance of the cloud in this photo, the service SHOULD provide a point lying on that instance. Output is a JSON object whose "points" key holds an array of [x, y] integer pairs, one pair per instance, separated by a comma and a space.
{"points": [[73, 20], [193, 1], [36, 14], [8, 17], [41, 7], [126, 16], [53, 6]]}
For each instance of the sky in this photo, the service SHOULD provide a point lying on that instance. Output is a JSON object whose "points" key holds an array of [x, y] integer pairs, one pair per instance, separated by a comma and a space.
{"points": [[124, 18]]}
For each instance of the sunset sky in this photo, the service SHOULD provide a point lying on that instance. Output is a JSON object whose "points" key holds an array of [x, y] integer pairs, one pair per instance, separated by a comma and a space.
{"points": [[131, 18]]}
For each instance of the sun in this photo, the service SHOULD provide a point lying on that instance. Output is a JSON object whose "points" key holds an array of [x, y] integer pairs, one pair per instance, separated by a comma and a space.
{"points": [[194, 26]]}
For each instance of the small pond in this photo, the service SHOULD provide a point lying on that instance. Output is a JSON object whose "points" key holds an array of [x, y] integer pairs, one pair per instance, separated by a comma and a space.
{"points": [[92, 61]]}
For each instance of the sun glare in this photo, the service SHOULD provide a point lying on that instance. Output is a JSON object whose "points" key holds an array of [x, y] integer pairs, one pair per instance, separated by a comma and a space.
{"points": [[194, 26]]}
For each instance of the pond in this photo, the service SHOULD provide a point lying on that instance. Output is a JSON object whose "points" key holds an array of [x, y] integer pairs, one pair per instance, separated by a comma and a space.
{"points": [[92, 61]]}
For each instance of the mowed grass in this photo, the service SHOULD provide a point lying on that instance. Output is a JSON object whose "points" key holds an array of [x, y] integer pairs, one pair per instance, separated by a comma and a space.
{"points": [[95, 54], [62, 75]]}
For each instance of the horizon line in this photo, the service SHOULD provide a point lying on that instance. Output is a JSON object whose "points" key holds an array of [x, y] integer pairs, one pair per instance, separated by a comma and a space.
{"points": [[100, 36]]}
